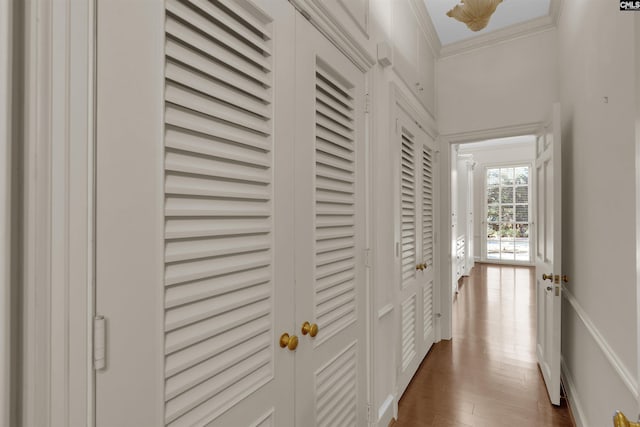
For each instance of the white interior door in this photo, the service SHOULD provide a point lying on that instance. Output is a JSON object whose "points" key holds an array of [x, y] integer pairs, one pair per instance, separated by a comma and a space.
{"points": [[428, 220], [548, 253], [417, 264], [330, 230], [194, 205]]}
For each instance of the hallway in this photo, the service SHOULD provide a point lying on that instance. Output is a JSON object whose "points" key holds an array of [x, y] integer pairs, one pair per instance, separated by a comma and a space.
{"points": [[487, 375]]}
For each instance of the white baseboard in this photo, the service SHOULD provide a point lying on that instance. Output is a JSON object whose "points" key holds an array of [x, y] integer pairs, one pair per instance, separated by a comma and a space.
{"points": [[572, 396], [386, 412]]}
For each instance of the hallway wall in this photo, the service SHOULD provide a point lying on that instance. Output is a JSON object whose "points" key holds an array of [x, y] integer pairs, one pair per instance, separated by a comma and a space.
{"points": [[596, 61], [504, 84]]}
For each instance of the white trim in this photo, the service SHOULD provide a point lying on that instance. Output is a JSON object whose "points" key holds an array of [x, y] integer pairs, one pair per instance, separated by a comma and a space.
{"points": [[507, 34], [6, 64], [426, 24], [385, 412], [637, 165], [57, 208], [618, 366], [555, 10], [318, 14], [415, 110], [445, 246], [493, 133], [36, 308], [572, 395]]}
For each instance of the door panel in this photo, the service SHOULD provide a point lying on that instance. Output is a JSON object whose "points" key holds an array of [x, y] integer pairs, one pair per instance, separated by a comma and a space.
{"points": [[417, 263], [129, 212], [329, 227], [548, 253], [203, 202], [428, 237]]}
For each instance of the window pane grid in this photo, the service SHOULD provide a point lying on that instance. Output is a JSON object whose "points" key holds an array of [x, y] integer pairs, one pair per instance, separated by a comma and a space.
{"points": [[508, 213]]}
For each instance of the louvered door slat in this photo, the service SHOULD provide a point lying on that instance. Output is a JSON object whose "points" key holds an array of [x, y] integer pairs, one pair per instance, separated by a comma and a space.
{"points": [[334, 203], [198, 42], [408, 206], [248, 20], [427, 207], [226, 18], [218, 209], [209, 27], [408, 344], [427, 307], [210, 66], [199, 82]]}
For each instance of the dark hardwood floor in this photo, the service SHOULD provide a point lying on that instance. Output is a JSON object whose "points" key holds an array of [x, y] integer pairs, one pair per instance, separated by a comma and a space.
{"points": [[487, 374]]}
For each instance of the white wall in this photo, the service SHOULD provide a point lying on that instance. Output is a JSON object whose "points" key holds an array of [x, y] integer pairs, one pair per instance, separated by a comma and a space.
{"points": [[599, 250], [513, 82], [488, 154]]}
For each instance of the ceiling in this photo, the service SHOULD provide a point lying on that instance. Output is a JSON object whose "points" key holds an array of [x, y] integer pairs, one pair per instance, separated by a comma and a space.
{"points": [[509, 12]]}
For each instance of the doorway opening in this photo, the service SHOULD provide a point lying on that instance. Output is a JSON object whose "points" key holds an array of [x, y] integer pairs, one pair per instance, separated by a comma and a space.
{"points": [[492, 203]]}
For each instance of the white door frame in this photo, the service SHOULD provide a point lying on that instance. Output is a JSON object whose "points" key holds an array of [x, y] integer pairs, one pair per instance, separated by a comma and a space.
{"points": [[637, 117], [446, 245], [58, 194], [6, 170]]}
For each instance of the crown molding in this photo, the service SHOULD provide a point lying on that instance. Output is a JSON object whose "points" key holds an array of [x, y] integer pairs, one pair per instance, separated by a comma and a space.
{"points": [[426, 24], [555, 10], [537, 25]]}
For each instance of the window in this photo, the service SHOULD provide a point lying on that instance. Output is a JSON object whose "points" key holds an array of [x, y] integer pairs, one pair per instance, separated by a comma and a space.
{"points": [[507, 211]]}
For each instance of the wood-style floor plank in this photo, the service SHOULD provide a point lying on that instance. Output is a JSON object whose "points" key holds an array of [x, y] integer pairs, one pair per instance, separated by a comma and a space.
{"points": [[487, 375]]}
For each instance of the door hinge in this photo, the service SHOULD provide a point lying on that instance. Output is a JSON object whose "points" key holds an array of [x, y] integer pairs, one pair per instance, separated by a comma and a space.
{"points": [[99, 342], [369, 420], [367, 103], [367, 258]]}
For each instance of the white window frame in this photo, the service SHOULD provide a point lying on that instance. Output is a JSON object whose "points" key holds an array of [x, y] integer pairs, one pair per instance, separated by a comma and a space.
{"points": [[483, 219]]}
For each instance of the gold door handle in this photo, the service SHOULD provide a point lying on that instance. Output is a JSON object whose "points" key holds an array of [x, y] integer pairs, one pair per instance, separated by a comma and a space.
{"points": [[309, 328], [547, 277], [619, 420], [565, 278], [291, 342]]}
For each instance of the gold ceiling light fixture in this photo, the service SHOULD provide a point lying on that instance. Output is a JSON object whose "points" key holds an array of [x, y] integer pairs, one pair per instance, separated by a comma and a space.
{"points": [[474, 13]]}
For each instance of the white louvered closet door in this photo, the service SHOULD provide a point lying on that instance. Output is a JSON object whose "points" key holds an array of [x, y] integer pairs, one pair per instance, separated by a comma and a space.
{"points": [[194, 206], [416, 245], [428, 218], [330, 227]]}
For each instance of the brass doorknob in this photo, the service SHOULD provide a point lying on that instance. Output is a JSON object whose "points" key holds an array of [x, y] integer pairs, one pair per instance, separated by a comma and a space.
{"points": [[291, 342], [565, 278], [309, 328], [547, 277]]}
